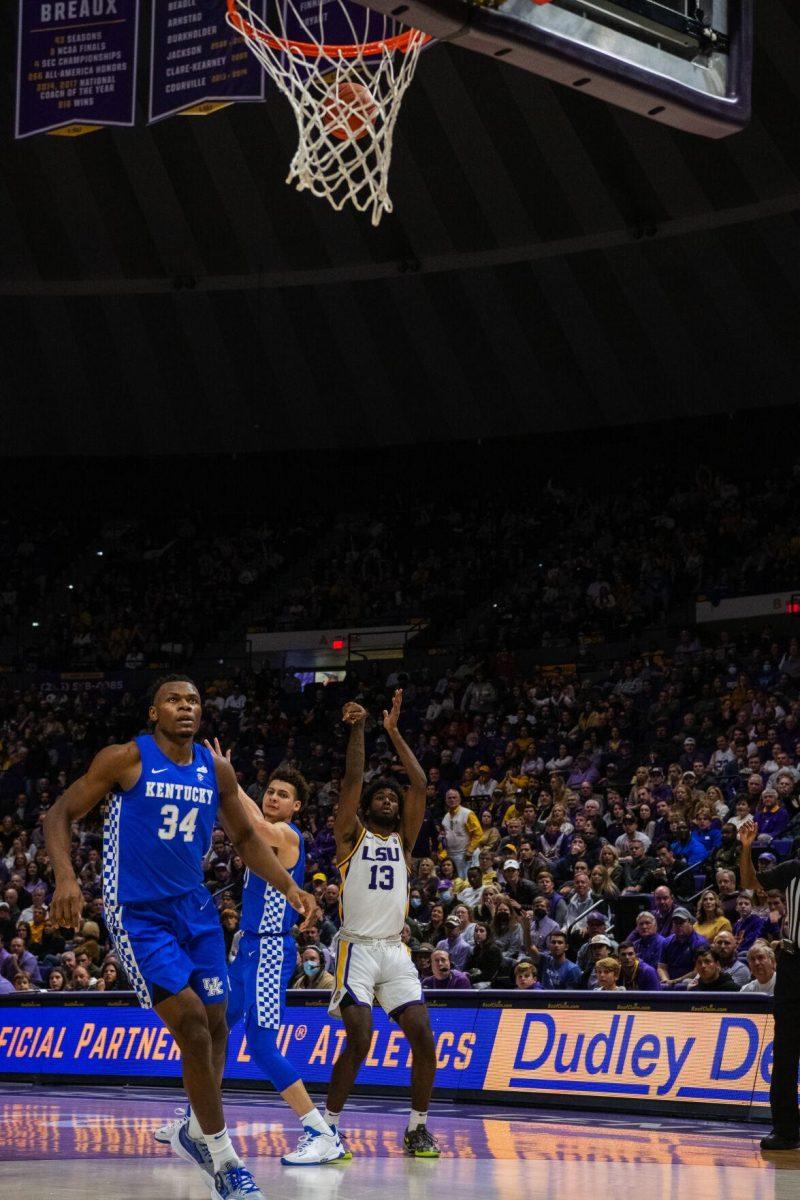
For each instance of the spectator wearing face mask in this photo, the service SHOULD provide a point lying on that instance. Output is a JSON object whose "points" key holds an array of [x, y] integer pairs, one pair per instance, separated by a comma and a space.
{"points": [[541, 924], [446, 891], [506, 927], [419, 911], [312, 973]]}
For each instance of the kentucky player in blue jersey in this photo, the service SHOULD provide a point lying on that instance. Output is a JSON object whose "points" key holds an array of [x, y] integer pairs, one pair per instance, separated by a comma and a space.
{"points": [[167, 792], [265, 962]]}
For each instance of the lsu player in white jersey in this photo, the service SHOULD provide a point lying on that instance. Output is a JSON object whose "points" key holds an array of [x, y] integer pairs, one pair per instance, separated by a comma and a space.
{"points": [[375, 834]]}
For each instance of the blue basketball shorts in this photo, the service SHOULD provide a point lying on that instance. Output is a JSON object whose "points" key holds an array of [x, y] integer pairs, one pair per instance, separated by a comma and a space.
{"points": [[165, 946], [259, 977]]}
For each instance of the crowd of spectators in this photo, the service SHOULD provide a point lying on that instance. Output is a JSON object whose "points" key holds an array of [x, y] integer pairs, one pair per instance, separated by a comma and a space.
{"points": [[126, 594], [565, 562], [580, 831]]}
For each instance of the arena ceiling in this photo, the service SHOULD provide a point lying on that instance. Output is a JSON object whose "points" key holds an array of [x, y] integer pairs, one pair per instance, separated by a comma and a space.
{"points": [[552, 263]]}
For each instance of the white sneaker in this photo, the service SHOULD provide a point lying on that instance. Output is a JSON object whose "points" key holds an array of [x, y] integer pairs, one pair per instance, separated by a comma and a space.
{"points": [[315, 1148], [164, 1132]]}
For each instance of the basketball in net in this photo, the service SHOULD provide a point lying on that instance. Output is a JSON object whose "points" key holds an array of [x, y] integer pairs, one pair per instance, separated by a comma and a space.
{"points": [[344, 70], [347, 111]]}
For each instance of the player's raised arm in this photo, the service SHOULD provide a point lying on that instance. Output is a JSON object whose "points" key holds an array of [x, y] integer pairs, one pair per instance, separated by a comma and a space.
{"points": [[414, 804], [282, 839], [114, 766], [748, 832], [347, 825], [249, 833]]}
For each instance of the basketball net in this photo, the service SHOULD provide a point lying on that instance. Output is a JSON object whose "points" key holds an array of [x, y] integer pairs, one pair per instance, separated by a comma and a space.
{"points": [[346, 96]]}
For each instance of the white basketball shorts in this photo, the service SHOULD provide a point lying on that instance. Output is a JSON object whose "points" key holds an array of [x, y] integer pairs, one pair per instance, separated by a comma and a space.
{"points": [[381, 971]]}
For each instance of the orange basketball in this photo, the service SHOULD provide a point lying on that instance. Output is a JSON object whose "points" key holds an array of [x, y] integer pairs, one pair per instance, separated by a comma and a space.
{"points": [[348, 110]]}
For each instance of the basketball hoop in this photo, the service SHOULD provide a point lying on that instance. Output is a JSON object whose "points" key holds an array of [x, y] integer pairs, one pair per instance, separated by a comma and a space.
{"points": [[344, 70]]}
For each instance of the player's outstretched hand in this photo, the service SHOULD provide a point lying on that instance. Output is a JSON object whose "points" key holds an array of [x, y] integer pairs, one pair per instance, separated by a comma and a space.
{"points": [[66, 907], [391, 718], [748, 832], [215, 748], [303, 903], [354, 714]]}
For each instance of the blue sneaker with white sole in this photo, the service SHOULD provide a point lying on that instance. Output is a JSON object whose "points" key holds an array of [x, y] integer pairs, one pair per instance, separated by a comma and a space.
{"points": [[234, 1182]]}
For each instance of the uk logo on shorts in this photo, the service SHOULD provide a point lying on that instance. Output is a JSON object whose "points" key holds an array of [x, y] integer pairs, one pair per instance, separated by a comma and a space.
{"points": [[213, 986]]}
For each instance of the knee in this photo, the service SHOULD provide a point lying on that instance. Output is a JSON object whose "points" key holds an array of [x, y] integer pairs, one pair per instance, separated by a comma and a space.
{"points": [[193, 1035], [219, 1034], [421, 1042], [419, 1035], [358, 1043]]}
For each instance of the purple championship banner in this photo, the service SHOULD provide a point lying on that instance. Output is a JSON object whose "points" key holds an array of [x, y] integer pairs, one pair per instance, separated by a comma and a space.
{"points": [[76, 65], [197, 62], [711, 1054]]}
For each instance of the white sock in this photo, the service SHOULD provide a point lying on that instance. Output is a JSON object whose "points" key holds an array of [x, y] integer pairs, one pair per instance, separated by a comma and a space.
{"points": [[416, 1119], [220, 1147], [331, 1118], [195, 1132], [314, 1120]]}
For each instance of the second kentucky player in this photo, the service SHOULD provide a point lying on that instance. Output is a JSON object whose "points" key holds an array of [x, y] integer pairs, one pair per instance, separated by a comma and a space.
{"points": [[266, 960]]}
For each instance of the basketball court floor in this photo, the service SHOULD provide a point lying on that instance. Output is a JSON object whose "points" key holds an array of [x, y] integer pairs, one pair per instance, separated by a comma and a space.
{"points": [[87, 1144]]}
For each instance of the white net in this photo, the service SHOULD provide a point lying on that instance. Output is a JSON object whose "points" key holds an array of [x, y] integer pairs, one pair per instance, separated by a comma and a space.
{"points": [[344, 70]]}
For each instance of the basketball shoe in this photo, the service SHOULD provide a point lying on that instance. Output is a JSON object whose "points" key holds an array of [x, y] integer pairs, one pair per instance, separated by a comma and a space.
{"points": [[315, 1148], [420, 1143], [164, 1132], [191, 1151], [234, 1182]]}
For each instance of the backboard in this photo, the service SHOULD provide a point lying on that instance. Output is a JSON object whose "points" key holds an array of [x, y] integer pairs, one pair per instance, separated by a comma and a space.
{"points": [[685, 63]]}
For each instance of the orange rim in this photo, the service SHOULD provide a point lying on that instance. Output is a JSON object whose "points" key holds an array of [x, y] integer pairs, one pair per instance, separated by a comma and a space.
{"points": [[312, 49]]}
